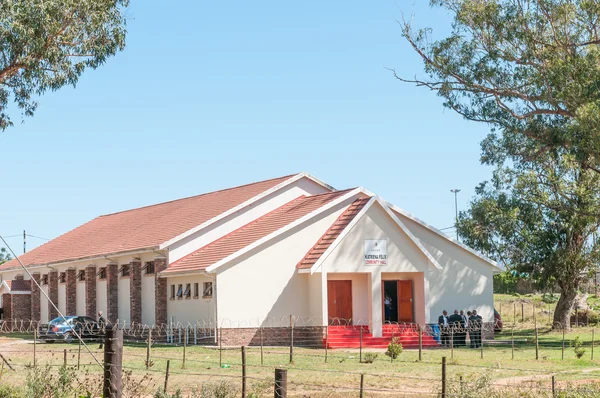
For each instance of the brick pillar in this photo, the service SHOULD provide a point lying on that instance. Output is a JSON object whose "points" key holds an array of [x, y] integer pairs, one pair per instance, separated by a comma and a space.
{"points": [[160, 293], [35, 298], [135, 291], [90, 291], [52, 294], [7, 306], [112, 292], [71, 291], [21, 307]]}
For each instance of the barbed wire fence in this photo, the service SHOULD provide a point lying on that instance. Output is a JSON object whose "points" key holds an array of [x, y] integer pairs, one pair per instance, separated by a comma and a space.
{"points": [[165, 355]]}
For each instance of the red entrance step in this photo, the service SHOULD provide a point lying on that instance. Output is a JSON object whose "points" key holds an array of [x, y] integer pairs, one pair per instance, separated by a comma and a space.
{"points": [[349, 337]]}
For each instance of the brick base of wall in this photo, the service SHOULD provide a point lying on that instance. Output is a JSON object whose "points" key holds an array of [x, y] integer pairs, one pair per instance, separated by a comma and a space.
{"points": [[307, 336], [21, 307]]}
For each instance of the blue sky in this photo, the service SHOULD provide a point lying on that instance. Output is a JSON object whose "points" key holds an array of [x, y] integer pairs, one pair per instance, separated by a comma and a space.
{"points": [[209, 95]]}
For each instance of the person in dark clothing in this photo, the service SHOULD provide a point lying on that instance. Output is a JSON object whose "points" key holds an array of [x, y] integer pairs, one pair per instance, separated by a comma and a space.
{"points": [[464, 323], [102, 325], [475, 330], [455, 328], [444, 329]]}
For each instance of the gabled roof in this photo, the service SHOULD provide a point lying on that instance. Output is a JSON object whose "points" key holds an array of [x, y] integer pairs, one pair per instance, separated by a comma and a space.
{"points": [[144, 228], [17, 286], [332, 233], [252, 232]]}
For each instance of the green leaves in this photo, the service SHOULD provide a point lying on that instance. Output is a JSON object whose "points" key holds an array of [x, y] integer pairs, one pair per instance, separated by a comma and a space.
{"points": [[46, 44]]}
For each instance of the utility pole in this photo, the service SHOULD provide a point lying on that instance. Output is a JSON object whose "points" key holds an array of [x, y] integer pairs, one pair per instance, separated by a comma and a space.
{"points": [[24, 242], [455, 192]]}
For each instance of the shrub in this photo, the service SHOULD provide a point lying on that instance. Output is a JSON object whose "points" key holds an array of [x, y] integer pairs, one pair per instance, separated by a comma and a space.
{"points": [[222, 389], [549, 298], [369, 357], [577, 347], [394, 348]]}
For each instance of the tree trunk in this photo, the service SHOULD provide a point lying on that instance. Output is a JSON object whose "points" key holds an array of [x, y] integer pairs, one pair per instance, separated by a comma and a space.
{"points": [[562, 314]]}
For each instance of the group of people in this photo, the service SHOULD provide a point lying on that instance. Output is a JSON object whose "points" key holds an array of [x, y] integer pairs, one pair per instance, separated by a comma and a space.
{"points": [[455, 328]]}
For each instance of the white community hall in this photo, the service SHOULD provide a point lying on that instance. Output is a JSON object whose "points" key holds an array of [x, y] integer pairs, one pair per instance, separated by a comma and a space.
{"points": [[253, 257]]}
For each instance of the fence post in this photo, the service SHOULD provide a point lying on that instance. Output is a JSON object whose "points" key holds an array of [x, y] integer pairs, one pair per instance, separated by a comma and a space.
{"points": [[185, 339], [563, 344], [420, 343], [220, 347], [167, 376], [443, 395], [537, 346], [148, 348], [362, 384], [243, 372], [460, 381], [113, 357], [280, 383], [512, 341], [553, 387], [360, 349], [522, 312], [452, 343], [291, 338], [34, 346], [481, 341], [79, 354], [261, 347], [65, 358], [593, 330]]}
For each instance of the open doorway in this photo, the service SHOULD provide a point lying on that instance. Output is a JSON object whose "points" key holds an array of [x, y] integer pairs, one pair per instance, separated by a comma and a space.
{"points": [[390, 301]]}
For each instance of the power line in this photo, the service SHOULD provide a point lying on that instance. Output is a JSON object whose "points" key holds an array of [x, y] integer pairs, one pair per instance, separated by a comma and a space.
{"points": [[37, 237]]}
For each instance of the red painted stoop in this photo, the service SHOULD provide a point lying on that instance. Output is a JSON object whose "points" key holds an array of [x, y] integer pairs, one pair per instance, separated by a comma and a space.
{"points": [[349, 337]]}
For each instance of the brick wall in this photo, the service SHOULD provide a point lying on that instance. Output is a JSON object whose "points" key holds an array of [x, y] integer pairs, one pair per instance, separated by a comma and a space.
{"points": [[160, 293], [35, 298], [90, 291], [135, 291], [52, 294], [112, 292], [307, 336], [71, 292], [6, 306], [21, 307]]}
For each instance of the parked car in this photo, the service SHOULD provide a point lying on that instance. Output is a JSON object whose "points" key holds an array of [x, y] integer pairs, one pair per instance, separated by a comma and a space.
{"points": [[497, 321], [65, 329]]}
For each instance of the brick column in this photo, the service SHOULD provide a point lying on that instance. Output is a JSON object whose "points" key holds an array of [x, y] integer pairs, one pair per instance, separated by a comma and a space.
{"points": [[35, 298], [135, 291], [71, 291], [7, 306], [112, 292], [90, 291], [52, 294], [21, 307], [160, 292]]}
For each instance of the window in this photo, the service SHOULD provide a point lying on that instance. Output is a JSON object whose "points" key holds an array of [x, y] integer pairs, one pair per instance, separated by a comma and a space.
{"points": [[125, 270], [207, 290], [149, 268], [196, 290], [102, 273], [63, 277], [172, 292], [188, 291], [180, 291], [81, 276], [45, 279]]}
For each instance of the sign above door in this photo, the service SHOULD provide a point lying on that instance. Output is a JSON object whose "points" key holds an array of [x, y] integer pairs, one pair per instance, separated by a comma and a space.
{"points": [[375, 252]]}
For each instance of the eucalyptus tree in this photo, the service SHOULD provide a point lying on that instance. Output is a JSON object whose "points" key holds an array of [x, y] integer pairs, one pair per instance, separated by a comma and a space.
{"points": [[530, 69], [46, 44]]}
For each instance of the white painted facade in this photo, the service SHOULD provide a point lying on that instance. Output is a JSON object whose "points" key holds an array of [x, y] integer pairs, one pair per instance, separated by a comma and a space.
{"points": [[262, 286]]}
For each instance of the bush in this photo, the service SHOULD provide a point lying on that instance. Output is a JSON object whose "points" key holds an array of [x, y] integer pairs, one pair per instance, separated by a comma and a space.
{"points": [[394, 348], [369, 357], [577, 347], [549, 298], [222, 389]]}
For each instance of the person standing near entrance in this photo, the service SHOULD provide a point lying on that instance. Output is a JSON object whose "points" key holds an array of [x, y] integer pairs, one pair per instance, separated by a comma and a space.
{"points": [[475, 332], [102, 326], [464, 325], [455, 328], [388, 308], [444, 326]]}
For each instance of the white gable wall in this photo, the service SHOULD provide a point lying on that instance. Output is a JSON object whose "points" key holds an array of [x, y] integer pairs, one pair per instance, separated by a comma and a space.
{"points": [[264, 287], [303, 186], [466, 281]]}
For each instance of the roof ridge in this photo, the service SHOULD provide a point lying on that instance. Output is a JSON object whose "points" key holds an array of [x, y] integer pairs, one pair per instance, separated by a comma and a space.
{"points": [[199, 195]]}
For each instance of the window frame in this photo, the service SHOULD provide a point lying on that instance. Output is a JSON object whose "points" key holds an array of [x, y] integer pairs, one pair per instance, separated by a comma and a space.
{"points": [[149, 268], [81, 275], [62, 277], [205, 288], [102, 273], [44, 279], [196, 290], [125, 271], [172, 292], [179, 291], [187, 292]]}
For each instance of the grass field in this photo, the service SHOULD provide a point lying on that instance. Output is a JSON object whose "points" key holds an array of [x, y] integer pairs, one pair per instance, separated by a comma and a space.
{"points": [[309, 375]]}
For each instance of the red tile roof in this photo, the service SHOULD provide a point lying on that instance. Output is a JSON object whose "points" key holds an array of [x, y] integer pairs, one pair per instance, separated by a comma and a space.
{"points": [[142, 228], [251, 232], [332, 233], [19, 285]]}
